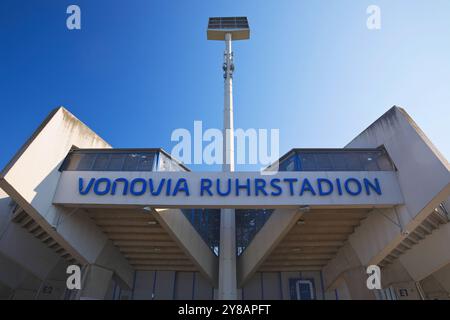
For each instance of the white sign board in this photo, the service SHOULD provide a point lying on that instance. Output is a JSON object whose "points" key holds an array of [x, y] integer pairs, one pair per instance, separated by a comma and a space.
{"points": [[228, 190]]}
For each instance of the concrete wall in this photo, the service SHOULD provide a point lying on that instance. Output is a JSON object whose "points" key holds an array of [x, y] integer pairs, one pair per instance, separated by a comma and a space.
{"points": [[161, 285], [276, 285], [28, 268], [437, 285], [429, 255], [31, 178], [424, 178], [18, 283], [346, 274]]}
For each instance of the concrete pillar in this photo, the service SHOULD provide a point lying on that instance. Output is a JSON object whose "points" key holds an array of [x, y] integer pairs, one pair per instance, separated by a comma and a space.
{"points": [[227, 257], [96, 282]]}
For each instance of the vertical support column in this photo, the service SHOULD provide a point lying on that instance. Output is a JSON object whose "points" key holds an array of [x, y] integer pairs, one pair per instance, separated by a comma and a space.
{"points": [[227, 253]]}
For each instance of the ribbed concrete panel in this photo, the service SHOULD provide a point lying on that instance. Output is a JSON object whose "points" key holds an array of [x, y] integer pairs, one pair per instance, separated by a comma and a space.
{"points": [[141, 239]]}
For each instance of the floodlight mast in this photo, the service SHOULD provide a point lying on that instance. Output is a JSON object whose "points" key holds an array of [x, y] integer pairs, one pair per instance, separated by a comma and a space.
{"points": [[228, 123], [228, 29], [227, 253]]}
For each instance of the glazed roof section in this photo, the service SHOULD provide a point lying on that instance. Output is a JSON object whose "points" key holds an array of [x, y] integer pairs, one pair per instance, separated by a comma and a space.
{"points": [[347, 159], [156, 159]]}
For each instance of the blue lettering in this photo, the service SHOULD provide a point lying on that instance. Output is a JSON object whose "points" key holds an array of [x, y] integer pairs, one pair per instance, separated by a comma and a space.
{"points": [[125, 186], [355, 182], [274, 183], [339, 187], [320, 181], [243, 186], [260, 185], [306, 186], [107, 183], [205, 186], [226, 193], [168, 188], [143, 186], [181, 186], [160, 186], [88, 187], [375, 187], [291, 184]]}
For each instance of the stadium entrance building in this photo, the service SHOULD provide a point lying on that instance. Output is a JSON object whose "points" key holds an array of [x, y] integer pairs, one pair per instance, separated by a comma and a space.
{"points": [[141, 225]]}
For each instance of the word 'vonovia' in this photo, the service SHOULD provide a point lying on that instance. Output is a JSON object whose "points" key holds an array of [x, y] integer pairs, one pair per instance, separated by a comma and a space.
{"points": [[226, 187]]}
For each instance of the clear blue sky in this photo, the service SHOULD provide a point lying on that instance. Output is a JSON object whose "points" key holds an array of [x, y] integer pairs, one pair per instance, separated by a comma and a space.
{"points": [[139, 69]]}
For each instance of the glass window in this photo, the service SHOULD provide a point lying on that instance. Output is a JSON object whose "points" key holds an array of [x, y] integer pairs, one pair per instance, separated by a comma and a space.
{"points": [[86, 161], [131, 162], [207, 223], [288, 164], [304, 290], [116, 162], [370, 161], [307, 162], [323, 162], [339, 161], [101, 162], [354, 161], [80, 160], [146, 162], [248, 223]]}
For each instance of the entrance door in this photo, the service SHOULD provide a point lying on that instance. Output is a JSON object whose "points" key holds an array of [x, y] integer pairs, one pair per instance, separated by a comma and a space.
{"points": [[301, 289]]}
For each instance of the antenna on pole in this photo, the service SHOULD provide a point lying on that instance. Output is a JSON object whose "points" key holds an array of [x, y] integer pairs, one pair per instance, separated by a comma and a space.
{"points": [[228, 29]]}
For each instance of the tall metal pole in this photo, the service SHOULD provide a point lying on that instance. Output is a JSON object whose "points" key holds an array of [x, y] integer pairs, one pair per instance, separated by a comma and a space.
{"points": [[227, 253]]}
